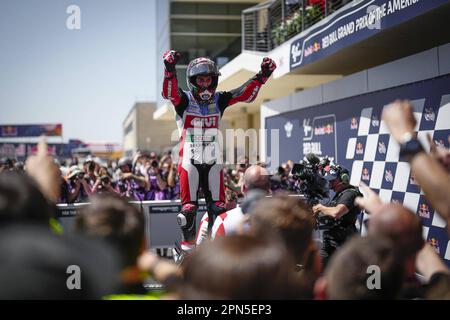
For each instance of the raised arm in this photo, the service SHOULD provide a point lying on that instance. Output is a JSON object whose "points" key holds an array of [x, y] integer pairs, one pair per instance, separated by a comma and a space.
{"points": [[170, 88], [249, 90], [432, 177]]}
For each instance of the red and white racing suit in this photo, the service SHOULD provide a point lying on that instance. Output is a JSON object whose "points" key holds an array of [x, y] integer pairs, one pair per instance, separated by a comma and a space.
{"points": [[226, 223], [200, 162]]}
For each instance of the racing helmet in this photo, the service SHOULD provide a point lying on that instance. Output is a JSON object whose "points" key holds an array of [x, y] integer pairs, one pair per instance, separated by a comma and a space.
{"points": [[202, 66]]}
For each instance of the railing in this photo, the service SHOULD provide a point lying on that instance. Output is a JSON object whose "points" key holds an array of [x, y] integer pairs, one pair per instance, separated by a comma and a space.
{"points": [[269, 24]]}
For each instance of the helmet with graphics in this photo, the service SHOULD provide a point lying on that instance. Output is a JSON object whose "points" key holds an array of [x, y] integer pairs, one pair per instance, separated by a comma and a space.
{"points": [[202, 67]]}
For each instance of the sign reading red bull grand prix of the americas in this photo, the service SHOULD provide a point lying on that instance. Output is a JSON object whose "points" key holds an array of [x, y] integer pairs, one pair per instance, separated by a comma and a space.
{"points": [[352, 24], [33, 130]]}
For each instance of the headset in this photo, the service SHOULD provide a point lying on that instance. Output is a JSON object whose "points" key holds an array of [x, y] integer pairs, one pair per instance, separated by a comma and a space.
{"points": [[343, 173]]}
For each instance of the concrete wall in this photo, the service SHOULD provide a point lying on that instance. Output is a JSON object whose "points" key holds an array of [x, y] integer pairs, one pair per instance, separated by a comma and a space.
{"points": [[421, 66], [147, 134], [129, 138], [153, 135]]}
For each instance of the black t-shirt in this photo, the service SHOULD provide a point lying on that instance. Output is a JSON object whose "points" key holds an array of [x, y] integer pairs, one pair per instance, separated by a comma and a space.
{"points": [[347, 198]]}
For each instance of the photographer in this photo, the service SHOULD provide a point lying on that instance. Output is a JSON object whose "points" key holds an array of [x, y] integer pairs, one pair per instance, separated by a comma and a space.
{"points": [[130, 185], [279, 181], [156, 186], [341, 209], [103, 184], [169, 174], [89, 168], [79, 189]]}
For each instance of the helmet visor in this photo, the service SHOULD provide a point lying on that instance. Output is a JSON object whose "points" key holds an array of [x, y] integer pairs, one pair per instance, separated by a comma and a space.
{"points": [[202, 68]]}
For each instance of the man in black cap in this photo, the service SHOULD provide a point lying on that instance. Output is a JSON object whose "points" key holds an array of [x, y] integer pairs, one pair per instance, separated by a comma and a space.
{"points": [[341, 210]]}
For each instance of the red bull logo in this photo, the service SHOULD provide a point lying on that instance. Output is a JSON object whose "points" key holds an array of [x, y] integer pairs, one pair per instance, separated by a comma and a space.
{"points": [[365, 174], [323, 130], [359, 148], [424, 211], [435, 243], [312, 49]]}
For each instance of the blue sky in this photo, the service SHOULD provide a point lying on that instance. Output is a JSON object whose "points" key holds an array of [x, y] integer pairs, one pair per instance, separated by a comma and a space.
{"points": [[86, 79]]}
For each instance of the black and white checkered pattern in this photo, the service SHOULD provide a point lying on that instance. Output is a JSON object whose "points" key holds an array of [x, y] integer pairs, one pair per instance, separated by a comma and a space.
{"points": [[376, 162]]}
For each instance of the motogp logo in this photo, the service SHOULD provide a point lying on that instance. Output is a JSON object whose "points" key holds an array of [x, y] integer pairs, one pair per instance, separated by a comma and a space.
{"points": [[296, 52], [307, 128]]}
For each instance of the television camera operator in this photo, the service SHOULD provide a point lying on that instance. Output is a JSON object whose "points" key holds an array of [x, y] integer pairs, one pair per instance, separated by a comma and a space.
{"points": [[341, 211]]}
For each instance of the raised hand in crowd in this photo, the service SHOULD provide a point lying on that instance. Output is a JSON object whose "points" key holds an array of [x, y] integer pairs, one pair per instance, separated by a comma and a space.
{"points": [[129, 175], [371, 202], [43, 169], [429, 263], [171, 181], [430, 174], [161, 269]]}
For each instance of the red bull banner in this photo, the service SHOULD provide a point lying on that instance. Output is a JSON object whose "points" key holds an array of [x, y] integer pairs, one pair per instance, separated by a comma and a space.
{"points": [[34, 130]]}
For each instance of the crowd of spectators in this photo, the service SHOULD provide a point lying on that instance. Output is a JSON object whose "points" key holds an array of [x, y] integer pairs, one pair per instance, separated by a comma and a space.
{"points": [[146, 176], [269, 255]]}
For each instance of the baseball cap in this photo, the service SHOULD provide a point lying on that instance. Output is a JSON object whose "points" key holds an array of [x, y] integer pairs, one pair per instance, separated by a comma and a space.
{"points": [[74, 170], [332, 174]]}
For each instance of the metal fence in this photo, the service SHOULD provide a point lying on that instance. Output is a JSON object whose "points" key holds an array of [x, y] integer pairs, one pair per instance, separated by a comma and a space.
{"points": [[269, 24]]}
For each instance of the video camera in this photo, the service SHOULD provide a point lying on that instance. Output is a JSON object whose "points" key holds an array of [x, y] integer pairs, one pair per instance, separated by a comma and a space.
{"points": [[310, 183], [310, 175]]}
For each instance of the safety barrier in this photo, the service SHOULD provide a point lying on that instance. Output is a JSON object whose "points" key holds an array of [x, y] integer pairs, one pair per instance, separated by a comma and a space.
{"points": [[161, 227]]}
